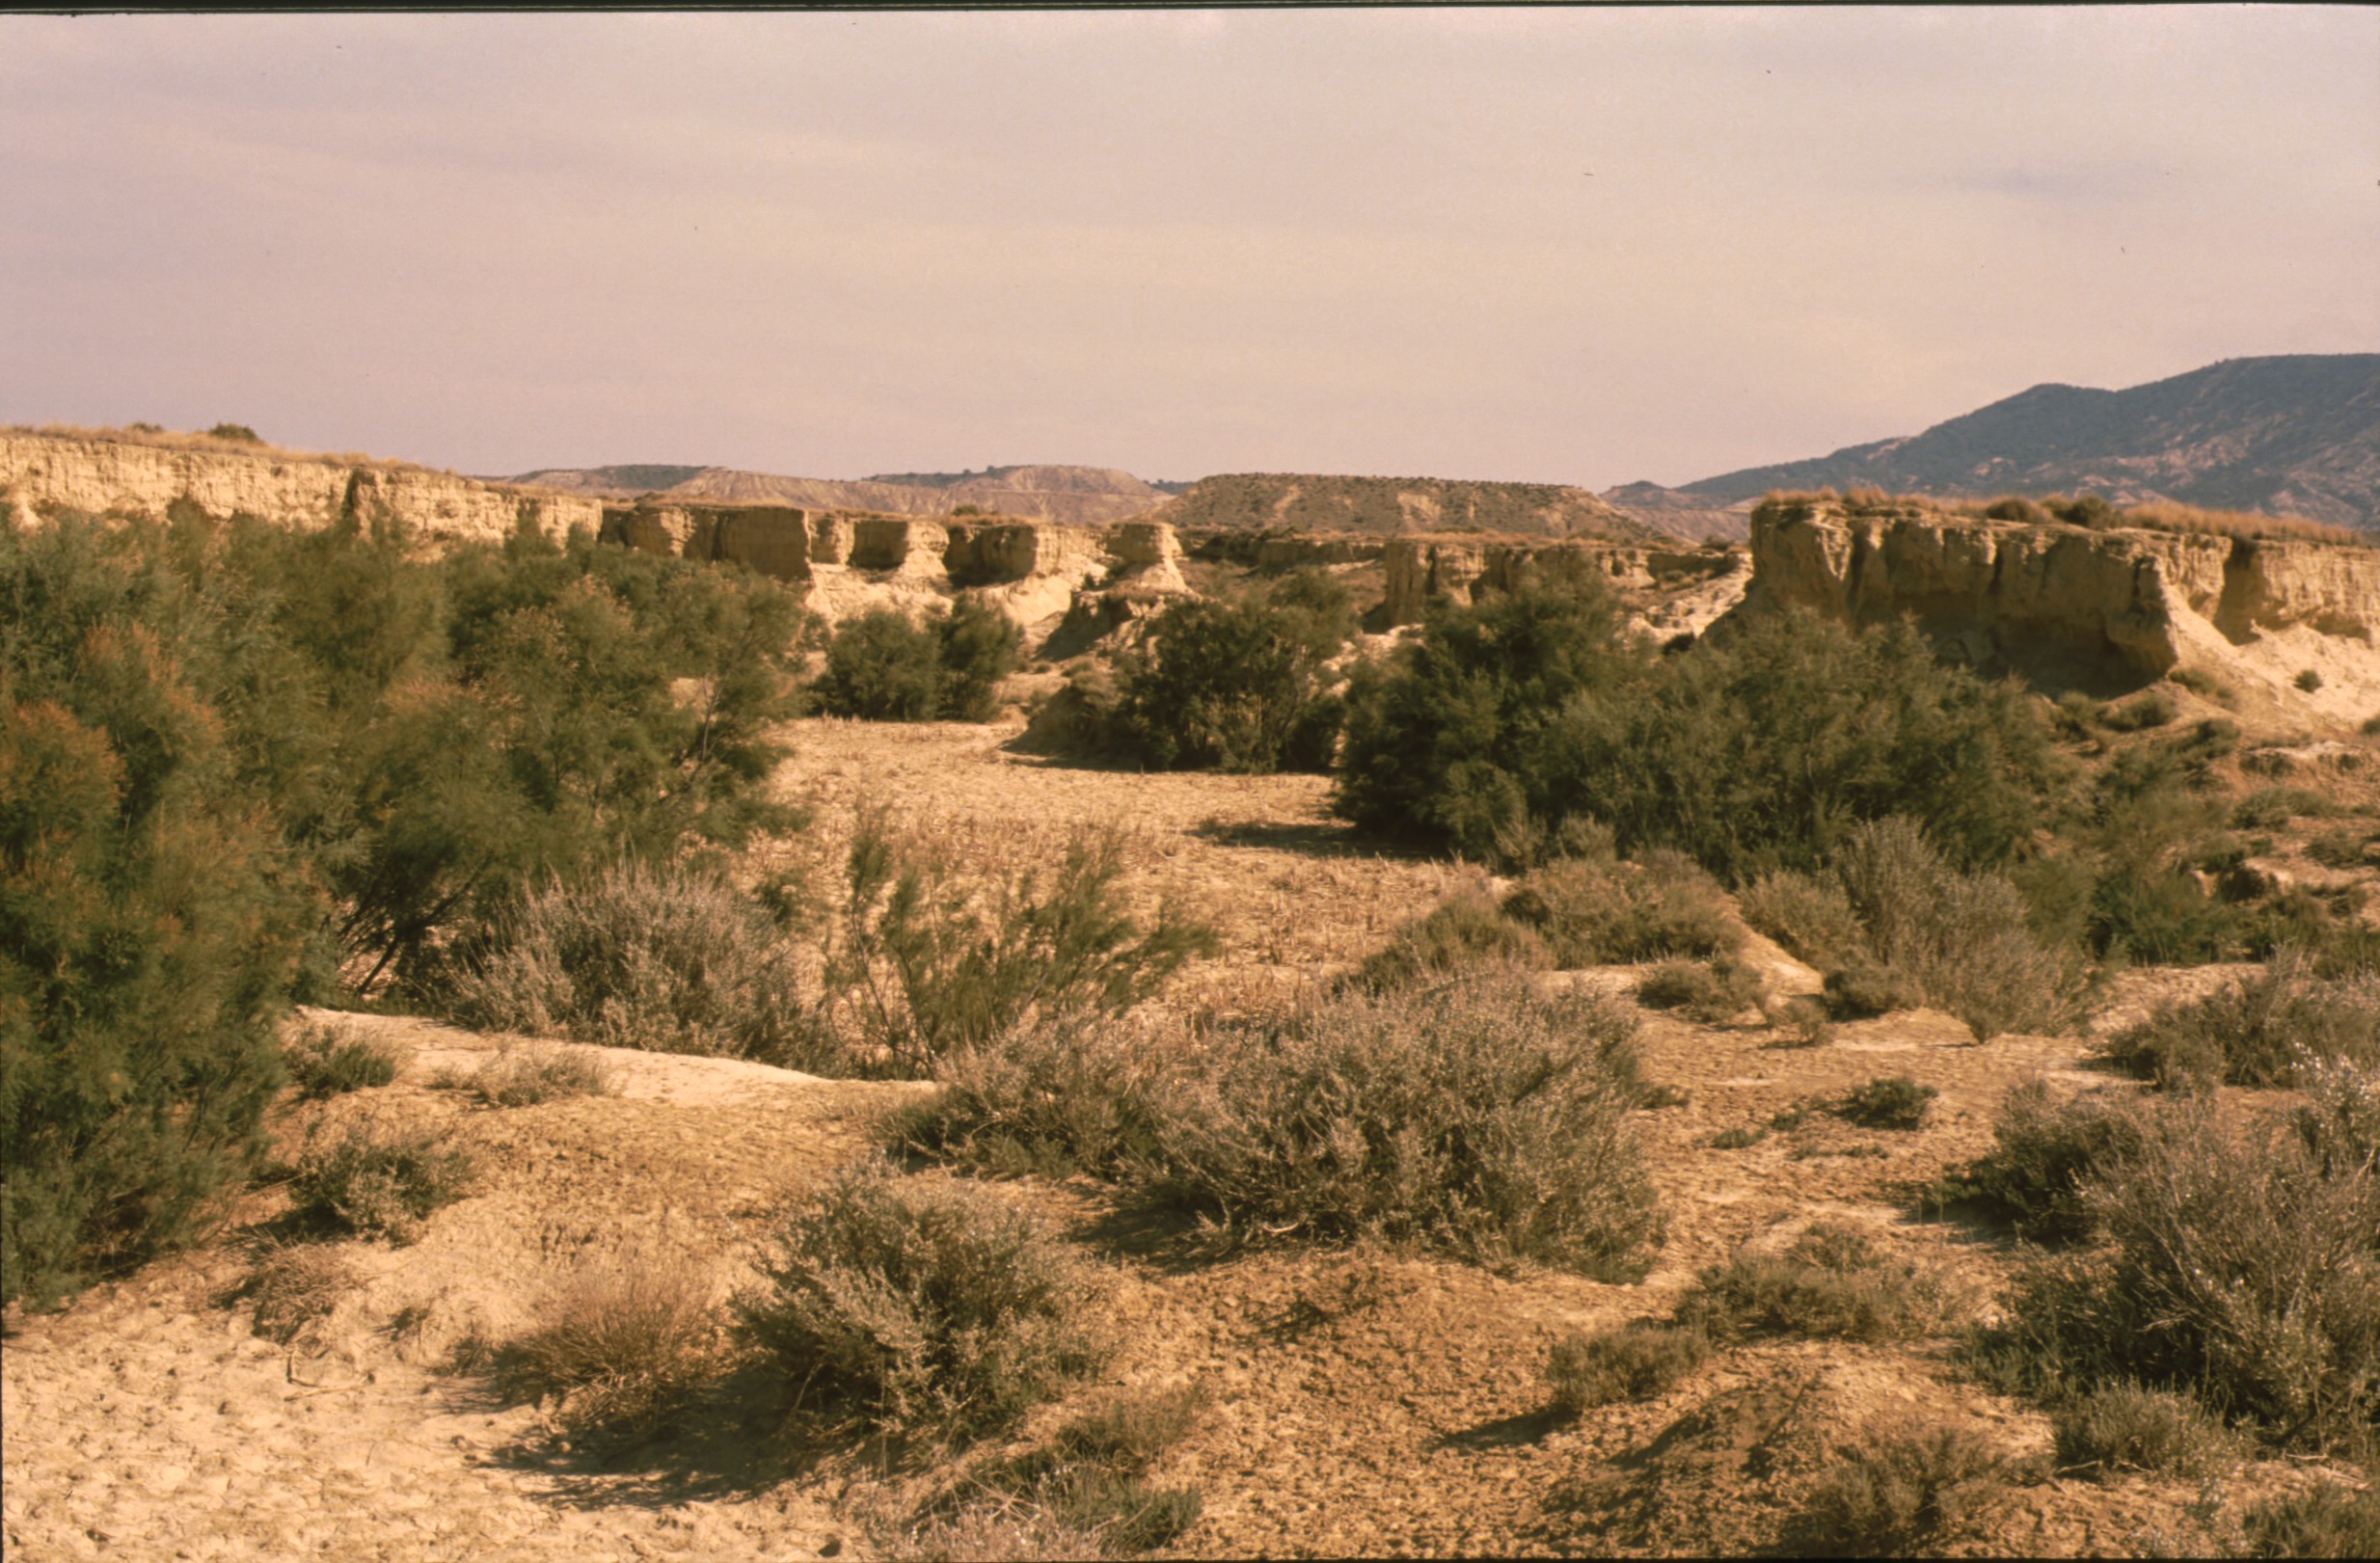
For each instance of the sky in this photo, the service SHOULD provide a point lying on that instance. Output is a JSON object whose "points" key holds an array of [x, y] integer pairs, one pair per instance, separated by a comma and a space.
{"points": [[1574, 246]]}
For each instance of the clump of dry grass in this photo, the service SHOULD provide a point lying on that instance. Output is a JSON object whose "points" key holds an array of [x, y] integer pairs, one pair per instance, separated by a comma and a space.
{"points": [[526, 1073], [624, 1348], [2120, 1428], [377, 1184], [324, 1064], [1463, 933], [2260, 1032], [295, 1287], [1596, 910], [1713, 992]]}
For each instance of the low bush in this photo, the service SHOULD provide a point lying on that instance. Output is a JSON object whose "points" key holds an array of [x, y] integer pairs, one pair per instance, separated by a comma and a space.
{"points": [[883, 666], [378, 1185], [625, 1347], [2235, 1259], [2200, 682], [323, 1064], [2327, 1522], [1808, 915], [1068, 1095], [1833, 1281], [668, 959], [2259, 1032], [923, 966], [2153, 708], [1900, 1489], [1596, 911], [2347, 847], [1463, 933], [1896, 1102], [526, 1074], [2120, 1428], [1863, 988], [1637, 1362], [1713, 992], [1473, 1119], [2307, 679], [2042, 1151], [922, 1307]]}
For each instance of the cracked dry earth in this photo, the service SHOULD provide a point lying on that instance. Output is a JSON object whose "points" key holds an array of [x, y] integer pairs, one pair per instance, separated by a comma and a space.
{"points": [[1357, 1402]]}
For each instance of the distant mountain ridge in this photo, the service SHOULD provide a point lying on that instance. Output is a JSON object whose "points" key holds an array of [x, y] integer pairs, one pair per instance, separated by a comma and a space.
{"points": [[2288, 435]]}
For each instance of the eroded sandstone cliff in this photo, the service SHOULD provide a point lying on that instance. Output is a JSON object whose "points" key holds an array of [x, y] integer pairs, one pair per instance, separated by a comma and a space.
{"points": [[46, 472]]}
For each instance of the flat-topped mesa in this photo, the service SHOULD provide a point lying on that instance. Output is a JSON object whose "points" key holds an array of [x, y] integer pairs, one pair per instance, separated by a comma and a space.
{"points": [[105, 475], [1426, 570], [2007, 593]]}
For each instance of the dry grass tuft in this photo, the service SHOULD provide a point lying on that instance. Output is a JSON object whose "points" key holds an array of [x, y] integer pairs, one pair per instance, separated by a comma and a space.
{"points": [[1833, 1283], [1903, 1486], [526, 1073], [626, 1347], [1637, 1362], [295, 1287]]}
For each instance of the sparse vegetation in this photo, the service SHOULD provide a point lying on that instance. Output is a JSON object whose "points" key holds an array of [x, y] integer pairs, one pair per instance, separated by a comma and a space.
{"points": [[323, 1062], [1896, 1102], [2121, 1428], [294, 1287], [1832, 1281], [623, 1347], [2259, 1032], [1901, 1488], [1465, 933], [1637, 1362], [373, 1183], [1713, 992], [2043, 1148], [921, 1306], [1594, 909], [2328, 1521], [527, 1073]]}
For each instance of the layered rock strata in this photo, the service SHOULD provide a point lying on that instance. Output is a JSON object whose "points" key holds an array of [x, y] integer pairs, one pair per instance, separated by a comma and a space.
{"points": [[1426, 570], [102, 477], [2148, 600]]}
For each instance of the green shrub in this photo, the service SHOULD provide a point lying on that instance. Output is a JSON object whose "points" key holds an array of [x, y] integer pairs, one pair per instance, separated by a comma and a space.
{"points": [[1764, 751], [1864, 988], [2309, 680], [1833, 1281], [1448, 739], [1711, 992], [1472, 1118], [922, 967], [1809, 916], [1739, 1138], [1594, 912], [323, 1064], [148, 926], [237, 433], [922, 1307], [2328, 1521], [1070, 1095], [1894, 1103], [882, 667], [2343, 849], [625, 1347], [1240, 685], [1899, 1489], [669, 959], [978, 646], [378, 1185], [2123, 1427], [2200, 682], [1465, 933], [2259, 1032], [1637, 1362]]}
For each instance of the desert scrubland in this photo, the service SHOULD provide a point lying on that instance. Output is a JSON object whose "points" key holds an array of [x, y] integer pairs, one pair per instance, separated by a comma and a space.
{"points": [[743, 1030]]}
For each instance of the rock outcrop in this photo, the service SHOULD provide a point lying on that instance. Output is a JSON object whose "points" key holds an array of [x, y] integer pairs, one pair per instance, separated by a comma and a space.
{"points": [[2135, 603], [1038, 573], [128, 477]]}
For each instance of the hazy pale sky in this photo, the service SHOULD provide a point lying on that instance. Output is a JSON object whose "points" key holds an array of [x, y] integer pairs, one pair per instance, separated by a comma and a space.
{"points": [[1584, 246]]}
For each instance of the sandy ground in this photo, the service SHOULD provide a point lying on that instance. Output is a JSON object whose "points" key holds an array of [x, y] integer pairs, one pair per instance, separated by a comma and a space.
{"points": [[1357, 1402]]}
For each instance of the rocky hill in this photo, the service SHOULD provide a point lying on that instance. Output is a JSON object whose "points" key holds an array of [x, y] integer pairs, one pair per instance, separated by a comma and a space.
{"points": [[1075, 495], [1391, 507], [2297, 435]]}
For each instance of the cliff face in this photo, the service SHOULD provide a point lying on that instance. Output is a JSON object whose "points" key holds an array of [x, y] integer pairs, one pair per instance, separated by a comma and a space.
{"points": [[1035, 572], [1394, 506], [105, 477], [2139, 602]]}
